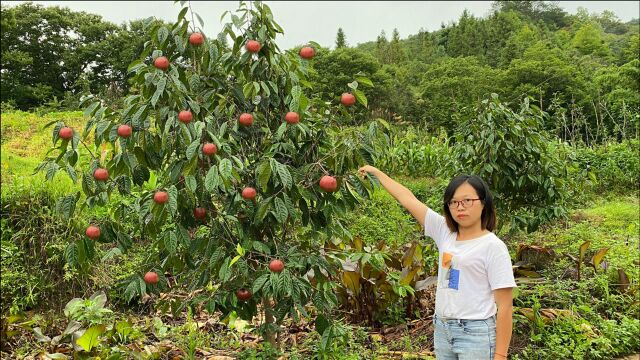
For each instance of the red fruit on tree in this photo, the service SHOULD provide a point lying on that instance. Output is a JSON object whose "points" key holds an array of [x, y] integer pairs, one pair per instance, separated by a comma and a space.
{"points": [[66, 133], [328, 183], [151, 278], [249, 193], [124, 130], [161, 63], [196, 39], [292, 118], [246, 119], [243, 294], [209, 149], [161, 197], [185, 116], [347, 99], [93, 232], [276, 265], [253, 46], [307, 52], [199, 213], [101, 174]]}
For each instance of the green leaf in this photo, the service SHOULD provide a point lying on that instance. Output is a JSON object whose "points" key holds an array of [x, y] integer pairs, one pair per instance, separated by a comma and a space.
{"points": [[180, 45], [191, 183], [211, 180], [360, 96], [225, 168], [71, 254], [171, 242], [67, 205], [163, 34], [281, 212], [259, 283], [140, 175], [365, 81], [263, 173], [173, 199], [327, 338], [192, 149], [183, 236], [199, 19], [90, 110], [261, 212], [159, 91], [90, 338], [285, 175], [261, 247]]}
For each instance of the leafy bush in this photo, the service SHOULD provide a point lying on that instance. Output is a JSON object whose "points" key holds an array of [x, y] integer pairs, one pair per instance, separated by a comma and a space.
{"points": [[616, 166], [382, 218], [414, 152], [33, 241], [511, 152]]}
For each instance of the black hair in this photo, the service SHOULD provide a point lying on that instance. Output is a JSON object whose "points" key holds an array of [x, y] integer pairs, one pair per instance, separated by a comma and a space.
{"points": [[488, 217]]}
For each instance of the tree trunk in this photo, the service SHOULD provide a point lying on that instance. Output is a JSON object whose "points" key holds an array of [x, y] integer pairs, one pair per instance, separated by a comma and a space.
{"points": [[268, 319]]}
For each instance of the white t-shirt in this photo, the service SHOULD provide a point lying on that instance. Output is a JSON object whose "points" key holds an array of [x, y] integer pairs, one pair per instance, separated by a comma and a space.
{"points": [[477, 267]]}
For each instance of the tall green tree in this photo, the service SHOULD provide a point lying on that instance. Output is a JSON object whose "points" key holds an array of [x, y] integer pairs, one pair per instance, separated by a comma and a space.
{"points": [[341, 39], [453, 87], [382, 46], [46, 50], [396, 51]]}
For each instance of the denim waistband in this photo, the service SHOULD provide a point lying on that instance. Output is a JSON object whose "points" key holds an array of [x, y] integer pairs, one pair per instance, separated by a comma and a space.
{"points": [[460, 321]]}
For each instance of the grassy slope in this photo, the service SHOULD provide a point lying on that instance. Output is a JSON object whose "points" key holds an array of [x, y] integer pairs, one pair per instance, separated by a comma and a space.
{"points": [[25, 143]]}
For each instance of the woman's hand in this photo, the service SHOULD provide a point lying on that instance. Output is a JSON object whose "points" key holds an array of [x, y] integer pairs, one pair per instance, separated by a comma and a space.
{"points": [[368, 169]]}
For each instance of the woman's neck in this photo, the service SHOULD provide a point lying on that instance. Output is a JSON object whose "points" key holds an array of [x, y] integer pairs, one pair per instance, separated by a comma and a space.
{"points": [[471, 232]]}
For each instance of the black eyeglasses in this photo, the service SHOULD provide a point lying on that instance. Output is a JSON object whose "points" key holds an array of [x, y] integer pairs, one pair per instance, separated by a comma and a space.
{"points": [[465, 203]]}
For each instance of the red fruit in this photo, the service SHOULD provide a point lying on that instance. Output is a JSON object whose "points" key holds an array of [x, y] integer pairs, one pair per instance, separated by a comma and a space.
{"points": [[93, 232], [328, 183], [101, 174], [185, 116], [66, 133], [196, 39], [253, 46], [243, 294], [124, 130], [161, 197], [307, 52], [292, 118], [151, 278], [199, 213], [209, 149], [161, 63], [276, 266], [246, 119], [347, 99], [249, 193]]}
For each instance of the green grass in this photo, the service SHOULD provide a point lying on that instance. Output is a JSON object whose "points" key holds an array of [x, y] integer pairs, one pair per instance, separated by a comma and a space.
{"points": [[611, 223], [25, 144]]}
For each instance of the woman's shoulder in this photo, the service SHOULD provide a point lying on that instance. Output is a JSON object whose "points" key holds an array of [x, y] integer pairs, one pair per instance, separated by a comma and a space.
{"points": [[494, 241]]}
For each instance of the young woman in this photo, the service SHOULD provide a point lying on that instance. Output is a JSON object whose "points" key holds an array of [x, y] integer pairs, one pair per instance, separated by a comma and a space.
{"points": [[474, 273]]}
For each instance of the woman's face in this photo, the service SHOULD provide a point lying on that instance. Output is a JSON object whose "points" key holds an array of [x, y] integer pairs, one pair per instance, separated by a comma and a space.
{"points": [[466, 214]]}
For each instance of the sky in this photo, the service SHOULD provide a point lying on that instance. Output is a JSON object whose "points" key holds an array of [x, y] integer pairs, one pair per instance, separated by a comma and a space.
{"points": [[319, 21]]}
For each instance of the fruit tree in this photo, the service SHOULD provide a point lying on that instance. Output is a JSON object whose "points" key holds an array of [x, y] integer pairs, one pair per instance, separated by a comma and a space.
{"points": [[225, 155]]}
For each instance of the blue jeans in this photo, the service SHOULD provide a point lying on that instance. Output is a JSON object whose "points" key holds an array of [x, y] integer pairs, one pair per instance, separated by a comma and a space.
{"points": [[456, 339]]}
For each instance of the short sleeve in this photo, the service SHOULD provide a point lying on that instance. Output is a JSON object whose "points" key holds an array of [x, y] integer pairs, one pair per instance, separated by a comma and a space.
{"points": [[499, 269], [435, 227]]}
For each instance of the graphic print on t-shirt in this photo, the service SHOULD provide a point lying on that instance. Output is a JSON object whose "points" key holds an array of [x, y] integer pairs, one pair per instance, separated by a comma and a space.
{"points": [[452, 276], [446, 259]]}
